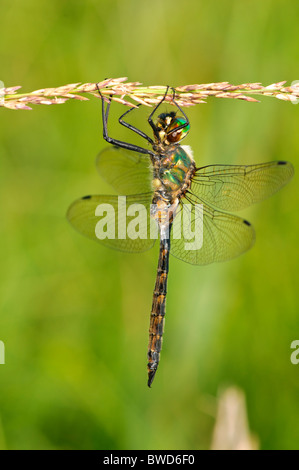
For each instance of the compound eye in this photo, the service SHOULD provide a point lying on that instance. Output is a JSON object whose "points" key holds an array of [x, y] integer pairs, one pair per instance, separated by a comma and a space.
{"points": [[176, 136]]}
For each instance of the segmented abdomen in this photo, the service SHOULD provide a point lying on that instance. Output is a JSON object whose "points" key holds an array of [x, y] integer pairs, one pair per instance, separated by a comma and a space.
{"points": [[158, 311]]}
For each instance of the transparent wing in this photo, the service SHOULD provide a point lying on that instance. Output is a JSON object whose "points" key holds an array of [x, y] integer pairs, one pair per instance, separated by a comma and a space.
{"points": [[217, 236], [234, 187], [126, 171], [93, 216]]}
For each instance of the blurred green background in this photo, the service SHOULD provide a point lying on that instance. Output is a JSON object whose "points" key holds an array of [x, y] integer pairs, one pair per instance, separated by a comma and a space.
{"points": [[74, 316]]}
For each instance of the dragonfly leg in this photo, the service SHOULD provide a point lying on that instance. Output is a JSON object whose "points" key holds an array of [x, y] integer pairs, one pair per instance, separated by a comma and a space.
{"points": [[187, 123], [133, 128], [111, 140], [150, 120]]}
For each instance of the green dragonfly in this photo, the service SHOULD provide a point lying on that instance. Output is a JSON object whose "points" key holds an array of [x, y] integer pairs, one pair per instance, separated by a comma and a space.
{"points": [[164, 180]]}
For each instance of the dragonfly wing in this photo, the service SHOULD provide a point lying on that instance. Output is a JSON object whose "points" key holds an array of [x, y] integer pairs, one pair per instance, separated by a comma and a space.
{"points": [[93, 216], [217, 236], [234, 187], [126, 171]]}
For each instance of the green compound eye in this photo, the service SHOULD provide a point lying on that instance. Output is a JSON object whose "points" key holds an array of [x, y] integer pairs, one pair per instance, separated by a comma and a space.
{"points": [[174, 136]]}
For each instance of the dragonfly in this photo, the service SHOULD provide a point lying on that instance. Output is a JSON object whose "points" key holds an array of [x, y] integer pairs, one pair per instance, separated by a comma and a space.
{"points": [[163, 179]]}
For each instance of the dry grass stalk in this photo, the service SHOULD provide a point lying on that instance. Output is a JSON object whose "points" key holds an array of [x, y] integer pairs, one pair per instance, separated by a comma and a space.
{"points": [[231, 431], [132, 92]]}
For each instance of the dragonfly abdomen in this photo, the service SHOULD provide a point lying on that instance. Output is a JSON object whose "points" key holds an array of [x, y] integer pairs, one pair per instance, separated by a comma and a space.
{"points": [[158, 311]]}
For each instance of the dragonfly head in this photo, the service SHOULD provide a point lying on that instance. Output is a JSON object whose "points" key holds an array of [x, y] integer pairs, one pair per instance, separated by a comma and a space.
{"points": [[167, 128]]}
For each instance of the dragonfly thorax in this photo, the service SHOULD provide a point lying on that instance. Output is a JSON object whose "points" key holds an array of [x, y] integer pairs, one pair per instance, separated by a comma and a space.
{"points": [[173, 172]]}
